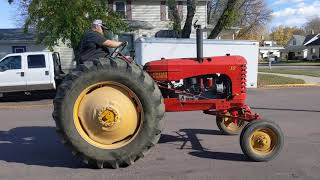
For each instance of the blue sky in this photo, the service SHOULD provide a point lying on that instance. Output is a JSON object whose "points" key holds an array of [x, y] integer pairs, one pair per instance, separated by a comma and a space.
{"points": [[7, 18], [293, 12], [285, 12]]}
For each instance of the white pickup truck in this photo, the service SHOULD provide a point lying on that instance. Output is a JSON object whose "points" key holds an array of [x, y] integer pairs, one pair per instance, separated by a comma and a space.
{"points": [[31, 71]]}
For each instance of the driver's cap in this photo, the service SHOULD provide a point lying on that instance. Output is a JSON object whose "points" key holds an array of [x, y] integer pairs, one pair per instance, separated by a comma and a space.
{"points": [[99, 22]]}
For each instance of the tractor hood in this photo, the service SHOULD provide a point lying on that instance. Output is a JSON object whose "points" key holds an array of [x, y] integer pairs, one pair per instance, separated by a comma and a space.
{"points": [[176, 69]]}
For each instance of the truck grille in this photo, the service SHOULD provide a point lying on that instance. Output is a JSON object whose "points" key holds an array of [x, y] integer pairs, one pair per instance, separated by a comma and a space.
{"points": [[243, 78]]}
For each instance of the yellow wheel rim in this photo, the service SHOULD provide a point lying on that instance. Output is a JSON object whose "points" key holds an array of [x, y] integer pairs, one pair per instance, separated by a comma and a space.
{"points": [[263, 141], [108, 115], [229, 124]]}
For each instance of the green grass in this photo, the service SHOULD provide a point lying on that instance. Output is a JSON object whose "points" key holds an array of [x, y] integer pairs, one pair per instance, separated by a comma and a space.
{"points": [[306, 72], [266, 79], [295, 63]]}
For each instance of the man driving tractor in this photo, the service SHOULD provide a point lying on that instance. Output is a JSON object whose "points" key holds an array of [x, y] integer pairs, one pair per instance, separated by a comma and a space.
{"points": [[94, 45]]}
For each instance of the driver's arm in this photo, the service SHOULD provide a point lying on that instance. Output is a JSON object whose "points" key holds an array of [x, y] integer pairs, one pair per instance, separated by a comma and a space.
{"points": [[112, 44]]}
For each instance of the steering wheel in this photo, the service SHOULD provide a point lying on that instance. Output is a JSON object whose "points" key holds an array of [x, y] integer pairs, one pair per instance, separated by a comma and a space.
{"points": [[119, 49]]}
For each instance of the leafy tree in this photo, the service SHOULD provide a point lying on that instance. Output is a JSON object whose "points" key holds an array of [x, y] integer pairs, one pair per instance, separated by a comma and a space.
{"points": [[282, 34], [66, 20], [229, 14]]}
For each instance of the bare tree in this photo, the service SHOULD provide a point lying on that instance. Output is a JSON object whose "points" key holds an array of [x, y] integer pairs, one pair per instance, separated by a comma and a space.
{"points": [[254, 17], [191, 11], [313, 25]]}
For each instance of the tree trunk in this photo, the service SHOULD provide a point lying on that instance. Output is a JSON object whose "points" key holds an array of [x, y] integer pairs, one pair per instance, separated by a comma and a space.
{"points": [[225, 17], [176, 17], [191, 10]]}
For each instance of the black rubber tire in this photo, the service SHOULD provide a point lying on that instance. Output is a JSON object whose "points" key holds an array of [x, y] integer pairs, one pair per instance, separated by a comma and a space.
{"points": [[225, 130], [245, 140], [130, 75]]}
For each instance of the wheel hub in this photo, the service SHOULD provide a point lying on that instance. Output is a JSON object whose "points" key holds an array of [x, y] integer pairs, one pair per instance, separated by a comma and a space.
{"points": [[108, 115], [108, 118], [262, 141]]}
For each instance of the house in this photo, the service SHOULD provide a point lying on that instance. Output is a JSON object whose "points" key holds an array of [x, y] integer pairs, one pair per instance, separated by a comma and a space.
{"points": [[295, 49], [16, 41], [269, 43], [148, 18], [312, 43], [270, 49], [228, 33]]}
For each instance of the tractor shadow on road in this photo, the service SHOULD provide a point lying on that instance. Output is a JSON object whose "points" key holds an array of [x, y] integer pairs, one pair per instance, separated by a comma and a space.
{"points": [[39, 146], [190, 135]]}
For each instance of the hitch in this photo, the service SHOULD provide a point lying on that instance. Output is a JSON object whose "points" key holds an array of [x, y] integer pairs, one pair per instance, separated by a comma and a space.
{"points": [[244, 113]]}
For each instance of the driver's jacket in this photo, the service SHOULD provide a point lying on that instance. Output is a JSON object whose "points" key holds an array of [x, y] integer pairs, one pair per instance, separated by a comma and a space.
{"points": [[91, 47]]}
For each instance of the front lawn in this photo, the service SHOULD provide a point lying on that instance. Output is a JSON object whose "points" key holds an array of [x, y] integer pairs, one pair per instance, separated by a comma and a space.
{"points": [[294, 63], [266, 79]]}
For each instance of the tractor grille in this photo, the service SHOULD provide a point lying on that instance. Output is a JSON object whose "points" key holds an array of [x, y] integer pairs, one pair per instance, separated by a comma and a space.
{"points": [[243, 78]]}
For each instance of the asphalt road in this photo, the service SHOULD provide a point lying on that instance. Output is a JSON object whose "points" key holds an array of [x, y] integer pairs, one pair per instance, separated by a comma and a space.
{"points": [[191, 146]]}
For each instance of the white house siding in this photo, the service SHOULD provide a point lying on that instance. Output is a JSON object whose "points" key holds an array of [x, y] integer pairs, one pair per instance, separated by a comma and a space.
{"points": [[313, 56], [66, 56], [149, 11], [6, 47]]}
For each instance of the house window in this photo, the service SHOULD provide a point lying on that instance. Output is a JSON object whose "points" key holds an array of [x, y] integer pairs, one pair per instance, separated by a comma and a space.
{"points": [[19, 49], [120, 8], [313, 50], [36, 61], [11, 62], [294, 42]]}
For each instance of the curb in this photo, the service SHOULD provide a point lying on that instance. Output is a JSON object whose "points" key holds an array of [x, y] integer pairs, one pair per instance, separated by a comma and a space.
{"points": [[290, 85], [18, 107]]}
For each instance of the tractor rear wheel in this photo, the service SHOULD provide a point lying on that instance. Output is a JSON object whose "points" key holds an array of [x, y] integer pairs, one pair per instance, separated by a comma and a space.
{"points": [[261, 140], [227, 126], [109, 112]]}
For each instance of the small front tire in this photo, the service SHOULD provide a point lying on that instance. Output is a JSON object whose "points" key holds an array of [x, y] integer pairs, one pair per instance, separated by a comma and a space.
{"points": [[261, 140], [228, 127]]}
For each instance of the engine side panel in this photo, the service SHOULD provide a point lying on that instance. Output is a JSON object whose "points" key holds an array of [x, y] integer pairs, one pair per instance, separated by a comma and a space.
{"points": [[190, 70]]}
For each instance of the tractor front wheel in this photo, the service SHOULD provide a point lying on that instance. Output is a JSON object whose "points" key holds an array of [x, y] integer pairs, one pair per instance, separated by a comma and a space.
{"points": [[261, 140], [227, 126], [109, 112]]}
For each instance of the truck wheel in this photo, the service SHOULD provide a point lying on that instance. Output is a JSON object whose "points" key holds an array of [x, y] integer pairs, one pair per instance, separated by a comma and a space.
{"points": [[228, 127], [109, 112], [261, 140]]}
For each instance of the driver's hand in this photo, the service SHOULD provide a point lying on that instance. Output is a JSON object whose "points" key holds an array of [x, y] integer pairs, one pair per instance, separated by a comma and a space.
{"points": [[125, 43]]}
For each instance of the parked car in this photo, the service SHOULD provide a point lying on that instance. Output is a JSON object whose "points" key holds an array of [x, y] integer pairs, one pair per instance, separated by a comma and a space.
{"points": [[31, 71]]}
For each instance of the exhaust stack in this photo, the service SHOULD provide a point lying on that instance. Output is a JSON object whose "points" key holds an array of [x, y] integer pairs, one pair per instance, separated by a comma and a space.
{"points": [[199, 42]]}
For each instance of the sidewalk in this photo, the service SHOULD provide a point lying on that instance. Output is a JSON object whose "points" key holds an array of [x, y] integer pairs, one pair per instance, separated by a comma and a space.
{"points": [[307, 79]]}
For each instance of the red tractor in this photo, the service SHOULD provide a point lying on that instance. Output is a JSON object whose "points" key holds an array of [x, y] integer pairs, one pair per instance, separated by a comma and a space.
{"points": [[110, 111]]}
